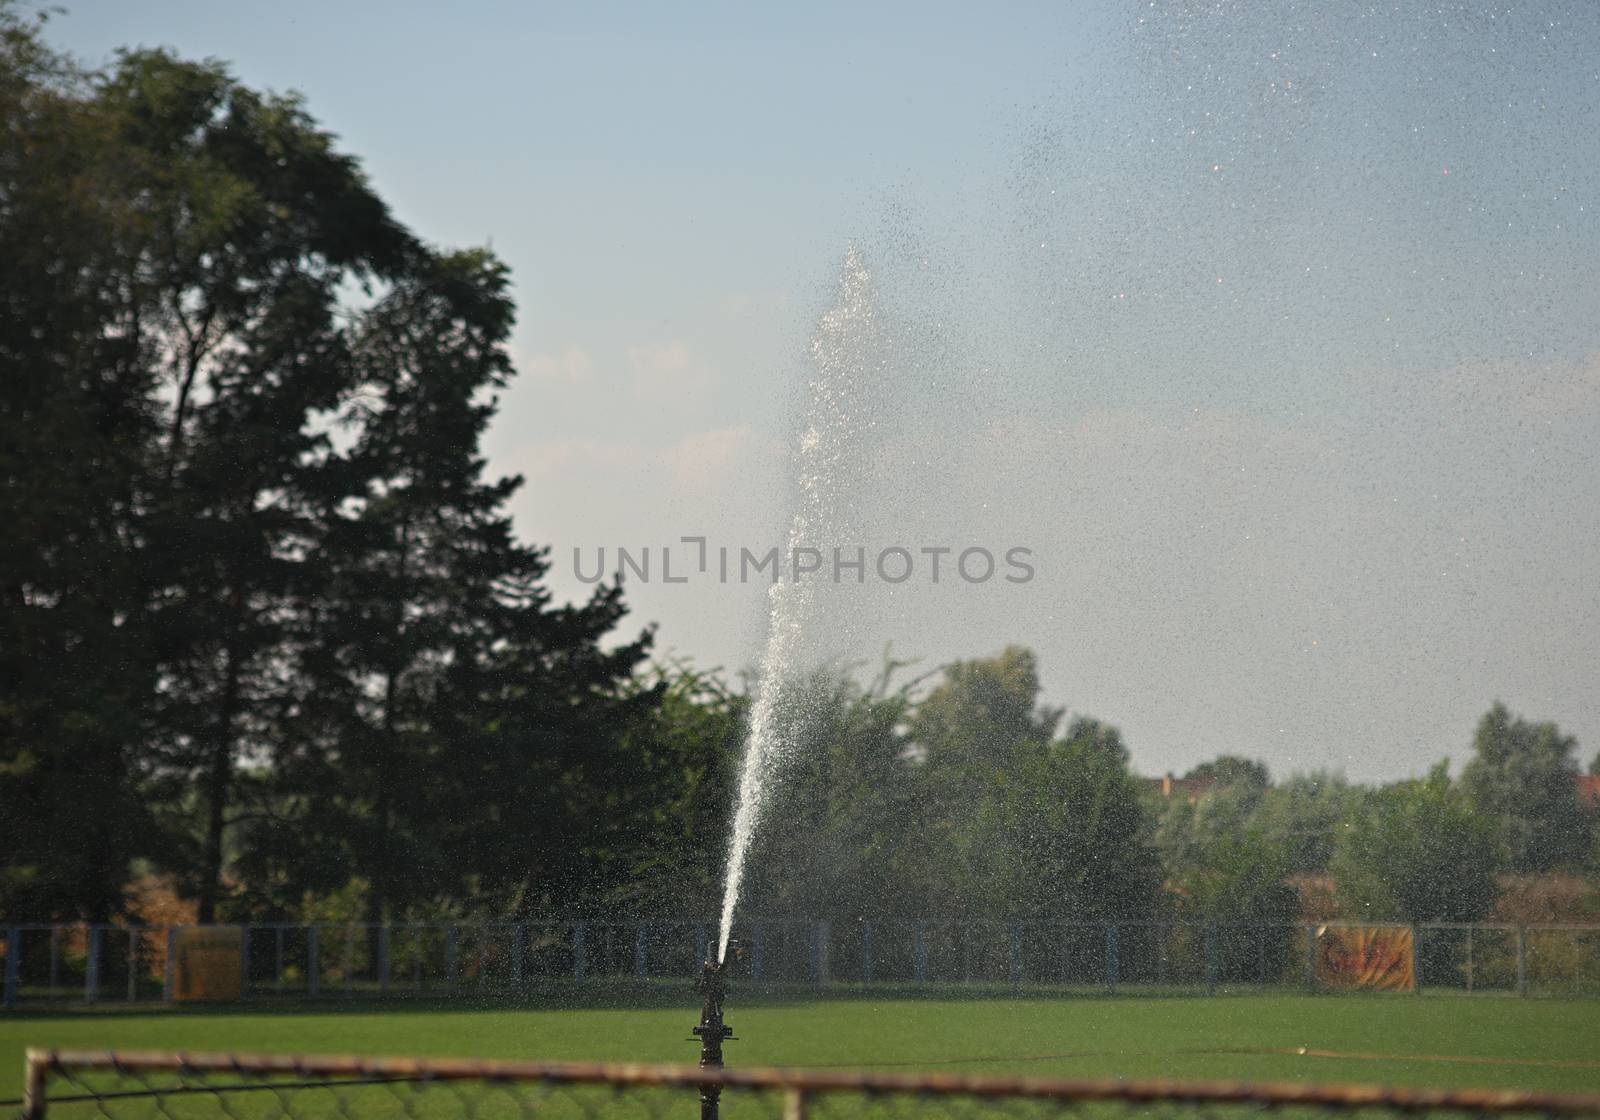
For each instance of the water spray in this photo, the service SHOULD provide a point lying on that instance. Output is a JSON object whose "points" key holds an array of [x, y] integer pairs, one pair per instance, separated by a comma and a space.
{"points": [[842, 352]]}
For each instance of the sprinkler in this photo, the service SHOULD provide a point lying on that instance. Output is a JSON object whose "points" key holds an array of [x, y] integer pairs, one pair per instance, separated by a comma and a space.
{"points": [[712, 987]]}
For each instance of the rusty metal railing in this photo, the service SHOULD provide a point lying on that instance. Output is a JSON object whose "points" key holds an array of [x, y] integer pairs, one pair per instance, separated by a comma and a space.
{"points": [[66, 1084]]}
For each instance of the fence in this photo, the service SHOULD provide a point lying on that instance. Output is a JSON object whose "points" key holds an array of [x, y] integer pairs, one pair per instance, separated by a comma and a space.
{"points": [[68, 1085], [101, 963]]}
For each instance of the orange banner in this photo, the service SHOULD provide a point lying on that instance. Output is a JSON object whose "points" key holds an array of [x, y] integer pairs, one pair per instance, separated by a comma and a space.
{"points": [[1366, 957], [209, 963]]}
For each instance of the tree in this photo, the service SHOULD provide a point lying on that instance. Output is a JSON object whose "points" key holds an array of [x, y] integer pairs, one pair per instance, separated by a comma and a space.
{"points": [[1301, 817], [1521, 778], [457, 727], [1234, 770], [254, 585], [1224, 866], [672, 820], [240, 231], [982, 710], [843, 838], [1062, 831], [76, 419], [1417, 852], [1187, 829], [1239, 878], [966, 730]]}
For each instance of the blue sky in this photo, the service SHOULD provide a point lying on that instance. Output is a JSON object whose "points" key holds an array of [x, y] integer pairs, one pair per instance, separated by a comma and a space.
{"points": [[1270, 327]]}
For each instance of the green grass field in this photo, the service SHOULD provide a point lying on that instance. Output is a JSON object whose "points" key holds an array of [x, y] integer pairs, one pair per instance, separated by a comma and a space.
{"points": [[1440, 1041]]}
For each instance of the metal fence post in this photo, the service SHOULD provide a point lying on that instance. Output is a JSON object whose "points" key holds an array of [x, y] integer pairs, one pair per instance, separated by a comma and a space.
{"points": [[1577, 961], [349, 965], [579, 963], [34, 1082], [1211, 958], [91, 966], [313, 961], [169, 965], [1311, 957], [418, 949], [1469, 958], [1522, 961], [1014, 967], [450, 964], [758, 953], [639, 952], [1111, 957], [820, 950], [483, 955], [1416, 958], [518, 933], [866, 952], [133, 963], [13, 965], [921, 953], [383, 958], [244, 962]]}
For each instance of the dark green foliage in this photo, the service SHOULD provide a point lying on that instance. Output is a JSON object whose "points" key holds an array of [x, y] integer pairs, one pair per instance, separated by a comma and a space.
{"points": [[981, 711], [1224, 866], [1302, 816], [665, 831], [76, 420], [1063, 832], [897, 808], [1232, 770], [966, 733], [1239, 877], [1521, 779], [264, 620], [1417, 852], [247, 227], [842, 838], [455, 731]]}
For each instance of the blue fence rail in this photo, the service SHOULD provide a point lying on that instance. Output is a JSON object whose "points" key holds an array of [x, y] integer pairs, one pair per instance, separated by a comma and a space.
{"points": [[100, 963]]}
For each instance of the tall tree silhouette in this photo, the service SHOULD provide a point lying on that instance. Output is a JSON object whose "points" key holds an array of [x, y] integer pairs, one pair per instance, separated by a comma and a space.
{"points": [[77, 419], [452, 712]]}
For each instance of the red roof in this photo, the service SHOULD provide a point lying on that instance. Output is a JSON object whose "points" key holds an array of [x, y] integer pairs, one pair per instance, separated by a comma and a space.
{"points": [[1589, 789]]}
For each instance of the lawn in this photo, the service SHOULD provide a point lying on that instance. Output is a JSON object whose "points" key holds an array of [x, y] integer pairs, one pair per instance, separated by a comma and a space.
{"points": [[1438, 1041]]}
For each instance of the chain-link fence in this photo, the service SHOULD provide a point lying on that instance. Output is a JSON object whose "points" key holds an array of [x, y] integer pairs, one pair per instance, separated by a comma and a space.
{"points": [[67, 1085], [509, 959]]}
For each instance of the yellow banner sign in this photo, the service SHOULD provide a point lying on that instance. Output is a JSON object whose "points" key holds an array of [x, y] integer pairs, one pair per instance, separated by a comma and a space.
{"points": [[1366, 957], [209, 964]]}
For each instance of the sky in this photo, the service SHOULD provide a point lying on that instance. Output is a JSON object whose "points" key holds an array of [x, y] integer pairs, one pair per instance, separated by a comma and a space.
{"points": [[1271, 331]]}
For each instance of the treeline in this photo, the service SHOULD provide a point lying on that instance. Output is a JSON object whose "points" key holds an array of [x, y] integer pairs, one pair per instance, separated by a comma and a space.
{"points": [[966, 797], [264, 624], [266, 632]]}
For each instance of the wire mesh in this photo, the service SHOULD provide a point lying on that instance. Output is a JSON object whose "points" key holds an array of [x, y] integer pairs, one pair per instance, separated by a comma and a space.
{"points": [[434, 960], [69, 1085]]}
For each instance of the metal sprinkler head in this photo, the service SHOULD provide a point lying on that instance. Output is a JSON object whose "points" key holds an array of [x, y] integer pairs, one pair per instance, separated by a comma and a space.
{"points": [[712, 986]]}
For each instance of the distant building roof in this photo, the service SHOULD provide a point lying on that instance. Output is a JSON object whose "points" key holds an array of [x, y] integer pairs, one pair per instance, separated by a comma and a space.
{"points": [[1589, 789], [1167, 785]]}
